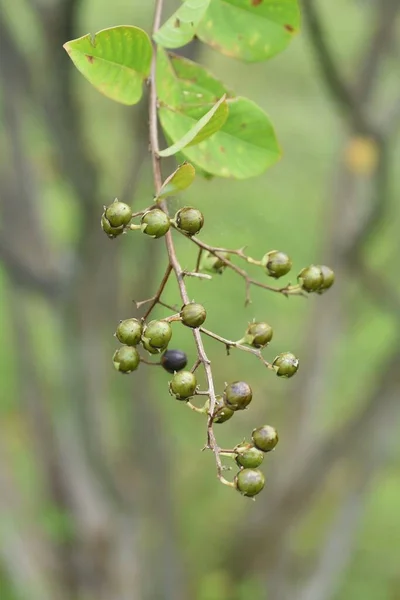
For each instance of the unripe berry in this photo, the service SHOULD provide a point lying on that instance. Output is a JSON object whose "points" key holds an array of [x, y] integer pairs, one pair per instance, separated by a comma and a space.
{"points": [[150, 349], [214, 264], [155, 222], [258, 335], [277, 263], [328, 278], [157, 334], [190, 220], [248, 456], [112, 232], [126, 359], [237, 395], [249, 482], [222, 412], [286, 364], [265, 438], [193, 315], [310, 278], [174, 360], [129, 332], [183, 385], [118, 214]]}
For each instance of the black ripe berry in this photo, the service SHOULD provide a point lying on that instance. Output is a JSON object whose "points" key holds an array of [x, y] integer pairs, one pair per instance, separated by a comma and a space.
{"points": [[174, 360]]}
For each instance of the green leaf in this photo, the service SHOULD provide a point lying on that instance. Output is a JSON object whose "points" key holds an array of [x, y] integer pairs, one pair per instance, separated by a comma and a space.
{"points": [[181, 27], [116, 61], [208, 124], [250, 30], [245, 146], [180, 180]]}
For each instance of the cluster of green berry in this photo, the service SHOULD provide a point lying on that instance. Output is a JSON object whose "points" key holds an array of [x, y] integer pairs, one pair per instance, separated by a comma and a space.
{"points": [[116, 219], [154, 336]]}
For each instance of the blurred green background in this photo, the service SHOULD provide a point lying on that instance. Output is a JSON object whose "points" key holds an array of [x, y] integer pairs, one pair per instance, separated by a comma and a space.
{"points": [[104, 492]]}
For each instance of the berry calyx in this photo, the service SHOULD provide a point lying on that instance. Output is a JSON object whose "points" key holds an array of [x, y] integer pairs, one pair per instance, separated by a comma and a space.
{"points": [[237, 395], [174, 360], [265, 438], [112, 232], [118, 214], [155, 222], [258, 335], [126, 359], [286, 364], [157, 334], [129, 332], [277, 263], [328, 278], [183, 385], [193, 315], [221, 412], [310, 278], [249, 482], [190, 220], [248, 456]]}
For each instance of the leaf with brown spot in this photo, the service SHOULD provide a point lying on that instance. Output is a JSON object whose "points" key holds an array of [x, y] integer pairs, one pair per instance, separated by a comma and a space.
{"points": [[180, 29]]}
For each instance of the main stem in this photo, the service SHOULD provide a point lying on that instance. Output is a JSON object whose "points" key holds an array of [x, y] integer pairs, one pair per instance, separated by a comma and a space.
{"points": [[179, 274]]}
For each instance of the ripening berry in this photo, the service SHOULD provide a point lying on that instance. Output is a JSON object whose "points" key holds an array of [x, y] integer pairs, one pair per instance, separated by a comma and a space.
{"points": [[277, 263], [157, 334], [174, 360], [112, 232], [126, 359], [249, 482], [222, 412], [129, 332], [265, 438], [237, 395], [193, 315], [183, 385], [118, 214], [310, 278], [214, 264], [258, 335], [286, 364], [155, 222], [328, 278], [190, 220], [248, 456]]}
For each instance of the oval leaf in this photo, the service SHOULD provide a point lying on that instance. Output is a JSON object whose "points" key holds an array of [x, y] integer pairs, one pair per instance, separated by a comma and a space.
{"points": [[250, 30], [180, 180], [116, 61], [244, 147], [206, 126], [181, 27]]}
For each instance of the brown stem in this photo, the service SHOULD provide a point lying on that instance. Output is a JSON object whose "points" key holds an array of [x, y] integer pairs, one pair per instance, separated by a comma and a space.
{"points": [[230, 344], [156, 299], [173, 260]]}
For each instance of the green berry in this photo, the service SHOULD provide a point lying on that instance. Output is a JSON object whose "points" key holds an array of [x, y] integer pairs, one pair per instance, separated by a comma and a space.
{"points": [[157, 334], [310, 278], [328, 278], [222, 412], [193, 315], [129, 332], [126, 359], [277, 263], [214, 264], [150, 349], [248, 456], [174, 360], [183, 385], [286, 364], [112, 232], [118, 214], [258, 335], [249, 482], [265, 438], [238, 395], [155, 222], [190, 220]]}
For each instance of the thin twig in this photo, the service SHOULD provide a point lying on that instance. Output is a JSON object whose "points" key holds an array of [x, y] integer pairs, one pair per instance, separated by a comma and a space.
{"points": [[230, 344], [156, 299]]}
